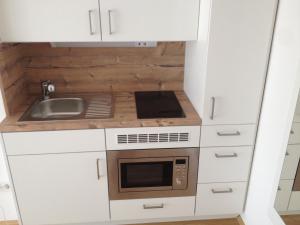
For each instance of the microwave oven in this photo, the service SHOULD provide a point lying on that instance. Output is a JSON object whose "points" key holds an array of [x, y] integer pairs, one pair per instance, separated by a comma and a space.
{"points": [[152, 173]]}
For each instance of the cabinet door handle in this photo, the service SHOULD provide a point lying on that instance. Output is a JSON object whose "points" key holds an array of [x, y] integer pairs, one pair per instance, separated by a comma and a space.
{"points": [[234, 155], [292, 132], [159, 206], [109, 22], [279, 188], [213, 103], [237, 133], [287, 154], [222, 192], [92, 27], [98, 169]]}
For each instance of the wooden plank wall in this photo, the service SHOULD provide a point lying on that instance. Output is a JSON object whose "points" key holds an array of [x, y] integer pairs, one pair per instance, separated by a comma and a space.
{"points": [[106, 69], [12, 80]]}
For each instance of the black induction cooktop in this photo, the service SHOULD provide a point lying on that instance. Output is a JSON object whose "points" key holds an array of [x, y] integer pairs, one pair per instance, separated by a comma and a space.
{"points": [[157, 104]]}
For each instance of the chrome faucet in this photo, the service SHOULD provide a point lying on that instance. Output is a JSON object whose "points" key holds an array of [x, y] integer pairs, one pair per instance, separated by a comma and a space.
{"points": [[47, 88]]}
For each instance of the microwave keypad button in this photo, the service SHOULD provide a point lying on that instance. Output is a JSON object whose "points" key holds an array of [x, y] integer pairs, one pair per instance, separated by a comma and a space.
{"points": [[178, 181]]}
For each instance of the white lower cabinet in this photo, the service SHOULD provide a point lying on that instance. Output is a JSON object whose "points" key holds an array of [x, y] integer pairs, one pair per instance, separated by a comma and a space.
{"points": [[61, 188], [47, 142], [224, 164], [152, 208], [294, 204], [220, 198], [228, 135], [291, 161], [295, 134], [283, 195]]}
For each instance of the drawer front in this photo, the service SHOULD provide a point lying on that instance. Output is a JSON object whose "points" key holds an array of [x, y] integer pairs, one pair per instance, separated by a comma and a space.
{"points": [[224, 164], [227, 135], [152, 208], [152, 137], [54, 142], [291, 161], [220, 198], [295, 134], [294, 204], [283, 195]]}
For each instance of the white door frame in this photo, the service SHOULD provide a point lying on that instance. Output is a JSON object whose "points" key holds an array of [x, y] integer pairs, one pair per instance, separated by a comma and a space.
{"points": [[282, 87]]}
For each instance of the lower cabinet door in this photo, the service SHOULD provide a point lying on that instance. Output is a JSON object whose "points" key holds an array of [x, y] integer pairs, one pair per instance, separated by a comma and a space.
{"points": [[291, 162], [135, 209], [224, 164], [294, 204], [220, 198], [61, 188], [283, 195]]}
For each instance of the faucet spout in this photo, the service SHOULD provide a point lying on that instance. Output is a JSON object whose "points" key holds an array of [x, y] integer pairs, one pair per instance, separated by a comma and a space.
{"points": [[48, 87]]}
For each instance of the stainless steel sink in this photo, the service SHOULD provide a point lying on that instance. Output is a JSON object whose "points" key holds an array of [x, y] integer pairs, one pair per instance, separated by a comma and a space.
{"points": [[57, 108], [65, 108]]}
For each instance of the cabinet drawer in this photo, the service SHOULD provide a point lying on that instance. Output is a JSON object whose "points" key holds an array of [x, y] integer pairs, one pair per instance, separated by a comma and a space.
{"points": [[291, 161], [54, 142], [227, 135], [152, 208], [220, 198], [295, 134], [283, 195], [295, 201], [152, 137], [224, 164]]}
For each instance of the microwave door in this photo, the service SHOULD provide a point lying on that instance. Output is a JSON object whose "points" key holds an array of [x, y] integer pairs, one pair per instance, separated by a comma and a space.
{"points": [[146, 174]]}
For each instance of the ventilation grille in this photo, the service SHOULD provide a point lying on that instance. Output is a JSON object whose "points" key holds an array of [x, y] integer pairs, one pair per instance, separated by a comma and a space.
{"points": [[152, 138]]}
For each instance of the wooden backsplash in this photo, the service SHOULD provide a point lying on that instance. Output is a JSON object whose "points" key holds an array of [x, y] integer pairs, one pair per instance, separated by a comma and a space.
{"points": [[105, 69], [12, 80]]}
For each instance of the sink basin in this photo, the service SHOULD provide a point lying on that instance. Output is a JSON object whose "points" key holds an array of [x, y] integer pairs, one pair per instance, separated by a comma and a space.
{"points": [[57, 108], [66, 108]]}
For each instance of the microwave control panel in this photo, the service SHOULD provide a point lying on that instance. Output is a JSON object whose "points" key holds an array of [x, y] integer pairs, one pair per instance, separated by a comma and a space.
{"points": [[180, 173]]}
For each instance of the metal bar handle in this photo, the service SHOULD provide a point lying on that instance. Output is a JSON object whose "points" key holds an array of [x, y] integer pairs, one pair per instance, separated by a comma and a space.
{"points": [[109, 22], [292, 132], [213, 103], [234, 155], [287, 154], [237, 133], [159, 206], [98, 169], [222, 192], [92, 30]]}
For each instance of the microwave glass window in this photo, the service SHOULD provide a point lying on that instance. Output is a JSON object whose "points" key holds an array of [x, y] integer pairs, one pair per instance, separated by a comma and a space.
{"points": [[146, 174]]}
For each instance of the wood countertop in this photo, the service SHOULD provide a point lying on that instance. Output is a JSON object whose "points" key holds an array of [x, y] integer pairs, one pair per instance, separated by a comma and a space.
{"points": [[124, 116]]}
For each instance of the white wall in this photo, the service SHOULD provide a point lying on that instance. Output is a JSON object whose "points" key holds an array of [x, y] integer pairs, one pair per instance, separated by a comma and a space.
{"points": [[7, 207], [279, 103]]}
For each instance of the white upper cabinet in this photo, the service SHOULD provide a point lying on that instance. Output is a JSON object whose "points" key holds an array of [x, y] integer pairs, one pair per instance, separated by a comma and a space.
{"points": [[79, 20], [49, 20], [149, 20], [238, 50], [61, 188]]}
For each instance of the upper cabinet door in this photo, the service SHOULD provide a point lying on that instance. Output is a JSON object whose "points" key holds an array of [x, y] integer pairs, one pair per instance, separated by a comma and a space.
{"points": [[61, 188], [49, 20], [239, 42], [149, 20]]}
